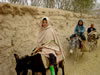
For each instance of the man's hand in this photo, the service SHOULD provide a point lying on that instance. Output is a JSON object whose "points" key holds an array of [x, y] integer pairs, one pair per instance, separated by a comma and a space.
{"points": [[39, 49]]}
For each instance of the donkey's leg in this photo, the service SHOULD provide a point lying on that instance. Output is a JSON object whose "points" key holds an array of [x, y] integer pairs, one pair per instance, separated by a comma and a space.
{"points": [[75, 56], [33, 73], [44, 72], [25, 72], [78, 52], [82, 54], [90, 46], [61, 64], [95, 44]]}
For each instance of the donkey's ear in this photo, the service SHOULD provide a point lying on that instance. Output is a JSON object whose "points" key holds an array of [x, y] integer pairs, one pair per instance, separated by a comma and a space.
{"points": [[16, 57]]}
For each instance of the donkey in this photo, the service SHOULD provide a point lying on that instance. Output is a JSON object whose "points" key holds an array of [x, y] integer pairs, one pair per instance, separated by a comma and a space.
{"points": [[93, 40], [35, 64], [75, 47]]}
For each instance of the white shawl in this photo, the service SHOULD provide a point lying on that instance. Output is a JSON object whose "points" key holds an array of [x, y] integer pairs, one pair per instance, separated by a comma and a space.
{"points": [[48, 38]]}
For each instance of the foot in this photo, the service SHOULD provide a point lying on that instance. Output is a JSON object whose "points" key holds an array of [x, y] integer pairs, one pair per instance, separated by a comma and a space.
{"points": [[71, 51]]}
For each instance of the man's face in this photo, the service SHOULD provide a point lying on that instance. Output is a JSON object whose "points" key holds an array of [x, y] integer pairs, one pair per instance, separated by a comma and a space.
{"points": [[44, 23], [92, 25]]}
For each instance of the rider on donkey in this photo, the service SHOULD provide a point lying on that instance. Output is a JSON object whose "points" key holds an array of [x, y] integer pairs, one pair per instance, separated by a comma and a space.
{"points": [[48, 43], [80, 29], [91, 28]]}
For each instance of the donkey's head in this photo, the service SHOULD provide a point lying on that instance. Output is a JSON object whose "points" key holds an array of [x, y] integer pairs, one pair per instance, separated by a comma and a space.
{"points": [[75, 42], [21, 67]]}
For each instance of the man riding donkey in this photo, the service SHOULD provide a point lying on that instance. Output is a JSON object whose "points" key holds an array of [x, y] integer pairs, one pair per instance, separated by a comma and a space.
{"points": [[48, 43], [92, 36], [91, 28]]}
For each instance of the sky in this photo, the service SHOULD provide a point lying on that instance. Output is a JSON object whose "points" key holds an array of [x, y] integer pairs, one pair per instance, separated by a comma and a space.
{"points": [[98, 1]]}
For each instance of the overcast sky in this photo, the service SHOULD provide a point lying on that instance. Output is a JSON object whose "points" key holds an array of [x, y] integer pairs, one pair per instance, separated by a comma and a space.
{"points": [[98, 1]]}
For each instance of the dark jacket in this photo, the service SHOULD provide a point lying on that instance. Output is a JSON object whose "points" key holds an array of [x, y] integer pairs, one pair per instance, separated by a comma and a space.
{"points": [[90, 29]]}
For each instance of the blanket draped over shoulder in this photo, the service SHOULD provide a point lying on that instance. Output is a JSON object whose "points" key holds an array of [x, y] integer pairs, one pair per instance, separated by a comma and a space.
{"points": [[49, 42]]}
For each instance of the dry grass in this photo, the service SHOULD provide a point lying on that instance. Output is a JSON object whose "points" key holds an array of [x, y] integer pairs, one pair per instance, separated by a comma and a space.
{"points": [[31, 11], [6, 9], [16, 11]]}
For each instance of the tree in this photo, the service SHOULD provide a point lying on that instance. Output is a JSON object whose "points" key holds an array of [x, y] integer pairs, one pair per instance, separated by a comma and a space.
{"points": [[83, 6]]}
